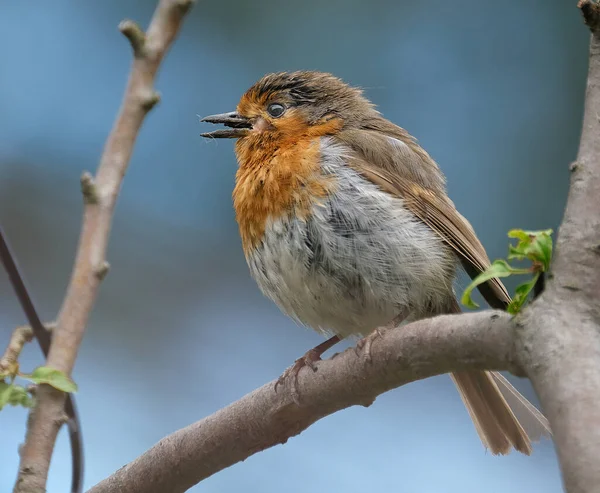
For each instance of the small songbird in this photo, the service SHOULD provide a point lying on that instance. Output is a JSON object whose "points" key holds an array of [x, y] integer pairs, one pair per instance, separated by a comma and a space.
{"points": [[346, 226]]}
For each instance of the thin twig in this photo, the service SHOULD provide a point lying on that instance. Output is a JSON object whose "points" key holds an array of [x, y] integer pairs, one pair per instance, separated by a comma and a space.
{"points": [[42, 334], [100, 194], [20, 336], [9, 361]]}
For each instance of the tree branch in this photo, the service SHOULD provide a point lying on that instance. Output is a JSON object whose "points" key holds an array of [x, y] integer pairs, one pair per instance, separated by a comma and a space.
{"points": [[265, 418], [558, 341], [100, 196]]}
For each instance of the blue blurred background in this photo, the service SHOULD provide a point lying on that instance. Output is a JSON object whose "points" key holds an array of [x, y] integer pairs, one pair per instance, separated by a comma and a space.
{"points": [[493, 90]]}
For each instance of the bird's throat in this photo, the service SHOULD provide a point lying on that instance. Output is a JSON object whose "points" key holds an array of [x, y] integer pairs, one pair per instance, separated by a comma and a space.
{"points": [[275, 178]]}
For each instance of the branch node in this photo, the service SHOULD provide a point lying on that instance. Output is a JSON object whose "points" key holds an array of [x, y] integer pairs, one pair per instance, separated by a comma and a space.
{"points": [[136, 37], [150, 99], [61, 420], [591, 14], [101, 270], [367, 402], [184, 6], [88, 189]]}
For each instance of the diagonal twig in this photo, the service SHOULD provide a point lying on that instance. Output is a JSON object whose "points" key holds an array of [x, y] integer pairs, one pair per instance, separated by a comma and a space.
{"points": [[43, 337], [100, 194]]}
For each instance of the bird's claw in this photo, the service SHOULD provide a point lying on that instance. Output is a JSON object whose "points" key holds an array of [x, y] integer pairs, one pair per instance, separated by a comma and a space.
{"points": [[364, 345], [291, 374]]}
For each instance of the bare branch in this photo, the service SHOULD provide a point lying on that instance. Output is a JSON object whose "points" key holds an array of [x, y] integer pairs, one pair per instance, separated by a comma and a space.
{"points": [[265, 418], [100, 194]]}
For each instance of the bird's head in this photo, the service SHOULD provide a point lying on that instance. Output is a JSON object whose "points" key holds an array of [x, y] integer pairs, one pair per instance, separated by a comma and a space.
{"points": [[289, 104]]}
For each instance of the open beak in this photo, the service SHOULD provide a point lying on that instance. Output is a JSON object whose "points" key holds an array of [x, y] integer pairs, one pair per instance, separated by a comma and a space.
{"points": [[240, 125]]}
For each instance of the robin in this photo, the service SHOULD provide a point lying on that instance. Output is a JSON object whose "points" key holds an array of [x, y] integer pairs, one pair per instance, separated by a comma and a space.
{"points": [[346, 225]]}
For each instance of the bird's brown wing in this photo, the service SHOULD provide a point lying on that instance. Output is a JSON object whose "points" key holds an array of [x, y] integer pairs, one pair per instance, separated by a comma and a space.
{"points": [[504, 419], [407, 171]]}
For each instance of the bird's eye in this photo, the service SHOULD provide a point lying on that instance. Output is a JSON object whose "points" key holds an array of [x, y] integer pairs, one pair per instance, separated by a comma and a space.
{"points": [[276, 110]]}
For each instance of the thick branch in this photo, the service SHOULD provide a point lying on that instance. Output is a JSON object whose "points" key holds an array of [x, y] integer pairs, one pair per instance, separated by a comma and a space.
{"points": [[559, 344], [265, 418], [100, 195]]}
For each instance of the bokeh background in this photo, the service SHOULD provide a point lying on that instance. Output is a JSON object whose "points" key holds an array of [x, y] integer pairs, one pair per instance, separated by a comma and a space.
{"points": [[493, 90]]}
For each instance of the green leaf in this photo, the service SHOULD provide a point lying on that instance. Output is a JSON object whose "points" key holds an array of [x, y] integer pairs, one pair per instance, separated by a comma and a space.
{"points": [[499, 268], [533, 245], [521, 234], [545, 245], [5, 391], [15, 395], [521, 294], [50, 376]]}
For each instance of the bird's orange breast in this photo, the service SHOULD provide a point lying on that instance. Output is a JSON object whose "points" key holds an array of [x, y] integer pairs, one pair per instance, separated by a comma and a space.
{"points": [[279, 175]]}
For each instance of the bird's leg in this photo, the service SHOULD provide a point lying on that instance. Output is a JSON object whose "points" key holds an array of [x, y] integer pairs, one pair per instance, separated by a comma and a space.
{"points": [[364, 345], [309, 360]]}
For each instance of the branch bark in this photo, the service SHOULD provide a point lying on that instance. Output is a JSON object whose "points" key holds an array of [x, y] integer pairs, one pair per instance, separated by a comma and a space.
{"points": [[100, 196], [265, 418], [559, 339]]}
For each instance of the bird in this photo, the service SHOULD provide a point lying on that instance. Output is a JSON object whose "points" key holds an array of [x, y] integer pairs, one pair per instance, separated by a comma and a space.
{"points": [[347, 227]]}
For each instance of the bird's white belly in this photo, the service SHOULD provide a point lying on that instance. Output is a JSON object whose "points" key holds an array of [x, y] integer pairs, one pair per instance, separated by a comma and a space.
{"points": [[356, 263]]}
